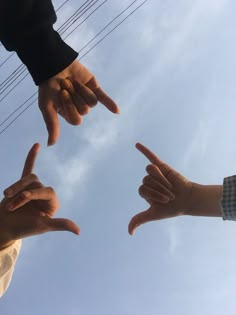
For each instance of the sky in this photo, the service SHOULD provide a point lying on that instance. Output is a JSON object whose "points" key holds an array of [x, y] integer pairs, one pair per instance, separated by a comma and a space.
{"points": [[171, 68]]}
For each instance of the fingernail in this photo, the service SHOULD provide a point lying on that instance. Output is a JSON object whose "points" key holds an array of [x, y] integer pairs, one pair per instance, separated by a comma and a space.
{"points": [[166, 199], [9, 207], [26, 193], [8, 192]]}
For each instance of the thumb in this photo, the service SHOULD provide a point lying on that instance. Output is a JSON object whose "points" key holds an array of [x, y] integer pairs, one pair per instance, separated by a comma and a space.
{"points": [[139, 219], [61, 225], [52, 123]]}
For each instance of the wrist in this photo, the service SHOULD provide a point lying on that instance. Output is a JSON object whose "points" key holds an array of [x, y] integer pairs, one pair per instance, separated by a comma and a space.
{"points": [[205, 200]]}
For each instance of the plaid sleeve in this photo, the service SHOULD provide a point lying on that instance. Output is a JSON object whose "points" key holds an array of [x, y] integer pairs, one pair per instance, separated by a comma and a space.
{"points": [[228, 200]]}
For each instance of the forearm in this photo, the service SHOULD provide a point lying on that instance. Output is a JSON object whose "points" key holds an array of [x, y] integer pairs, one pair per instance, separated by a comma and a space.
{"points": [[26, 27], [205, 200]]}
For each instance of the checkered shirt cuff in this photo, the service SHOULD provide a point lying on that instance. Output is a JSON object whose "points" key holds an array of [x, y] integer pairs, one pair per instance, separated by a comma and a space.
{"points": [[228, 200]]}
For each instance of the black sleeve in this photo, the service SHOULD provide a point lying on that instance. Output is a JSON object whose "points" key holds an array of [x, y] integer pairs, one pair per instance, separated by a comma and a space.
{"points": [[26, 27]]}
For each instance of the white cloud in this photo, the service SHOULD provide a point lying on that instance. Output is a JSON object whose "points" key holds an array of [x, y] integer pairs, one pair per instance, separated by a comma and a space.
{"points": [[71, 173], [198, 144], [173, 235], [197, 19]]}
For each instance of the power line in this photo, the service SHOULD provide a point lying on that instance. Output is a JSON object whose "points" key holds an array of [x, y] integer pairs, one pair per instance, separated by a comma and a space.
{"points": [[106, 26], [98, 7], [16, 110], [62, 5], [21, 113], [17, 70], [3, 98], [3, 63], [75, 14], [6, 85], [111, 31]]}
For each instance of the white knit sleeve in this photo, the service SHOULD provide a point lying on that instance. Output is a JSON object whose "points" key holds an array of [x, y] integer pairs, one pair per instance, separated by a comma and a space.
{"points": [[8, 258]]}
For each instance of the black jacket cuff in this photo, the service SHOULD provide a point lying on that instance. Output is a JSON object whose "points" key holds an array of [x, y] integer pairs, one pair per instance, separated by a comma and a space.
{"points": [[45, 54]]}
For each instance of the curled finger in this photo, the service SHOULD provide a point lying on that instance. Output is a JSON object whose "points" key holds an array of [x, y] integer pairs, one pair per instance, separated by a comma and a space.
{"points": [[156, 173], [157, 186], [20, 185], [75, 90], [70, 111], [44, 193], [151, 194], [86, 93]]}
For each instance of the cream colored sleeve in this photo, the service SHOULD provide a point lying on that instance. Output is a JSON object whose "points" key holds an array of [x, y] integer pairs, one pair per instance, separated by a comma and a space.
{"points": [[8, 258]]}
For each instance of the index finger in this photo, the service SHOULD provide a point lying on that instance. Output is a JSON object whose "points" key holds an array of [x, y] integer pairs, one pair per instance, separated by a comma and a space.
{"points": [[153, 158], [30, 160], [106, 100]]}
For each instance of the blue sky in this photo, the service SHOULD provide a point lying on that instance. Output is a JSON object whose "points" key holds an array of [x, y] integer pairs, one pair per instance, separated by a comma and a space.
{"points": [[171, 68]]}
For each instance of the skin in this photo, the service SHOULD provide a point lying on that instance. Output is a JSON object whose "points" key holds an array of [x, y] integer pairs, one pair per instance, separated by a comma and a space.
{"points": [[170, 194], [71, 93], [28, 207]]}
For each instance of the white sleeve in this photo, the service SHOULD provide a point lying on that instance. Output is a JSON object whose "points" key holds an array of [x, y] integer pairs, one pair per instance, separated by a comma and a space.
{"points": [[8, 258]]}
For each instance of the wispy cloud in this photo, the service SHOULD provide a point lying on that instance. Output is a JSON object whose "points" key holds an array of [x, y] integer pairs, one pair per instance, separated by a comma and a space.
{"points": [[173, 235], [72, 172]]}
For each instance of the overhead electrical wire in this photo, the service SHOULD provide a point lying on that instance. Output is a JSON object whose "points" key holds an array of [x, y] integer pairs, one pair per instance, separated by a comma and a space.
{"points": [[105, 27], [62, 5], [114, 28], [35, 99], [74, 16]]}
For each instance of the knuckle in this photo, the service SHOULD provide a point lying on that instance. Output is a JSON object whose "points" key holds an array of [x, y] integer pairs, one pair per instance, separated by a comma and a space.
{"points": [[34, 177], [149, 168], [146, 180], [93, 102], [84, 110], [75, 121], [51, 190], [141, 190]]}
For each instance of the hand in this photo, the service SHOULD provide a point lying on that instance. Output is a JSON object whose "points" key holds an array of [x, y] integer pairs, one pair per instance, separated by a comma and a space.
{"points": [[167, 192], [28, 207], [71, 93]]}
